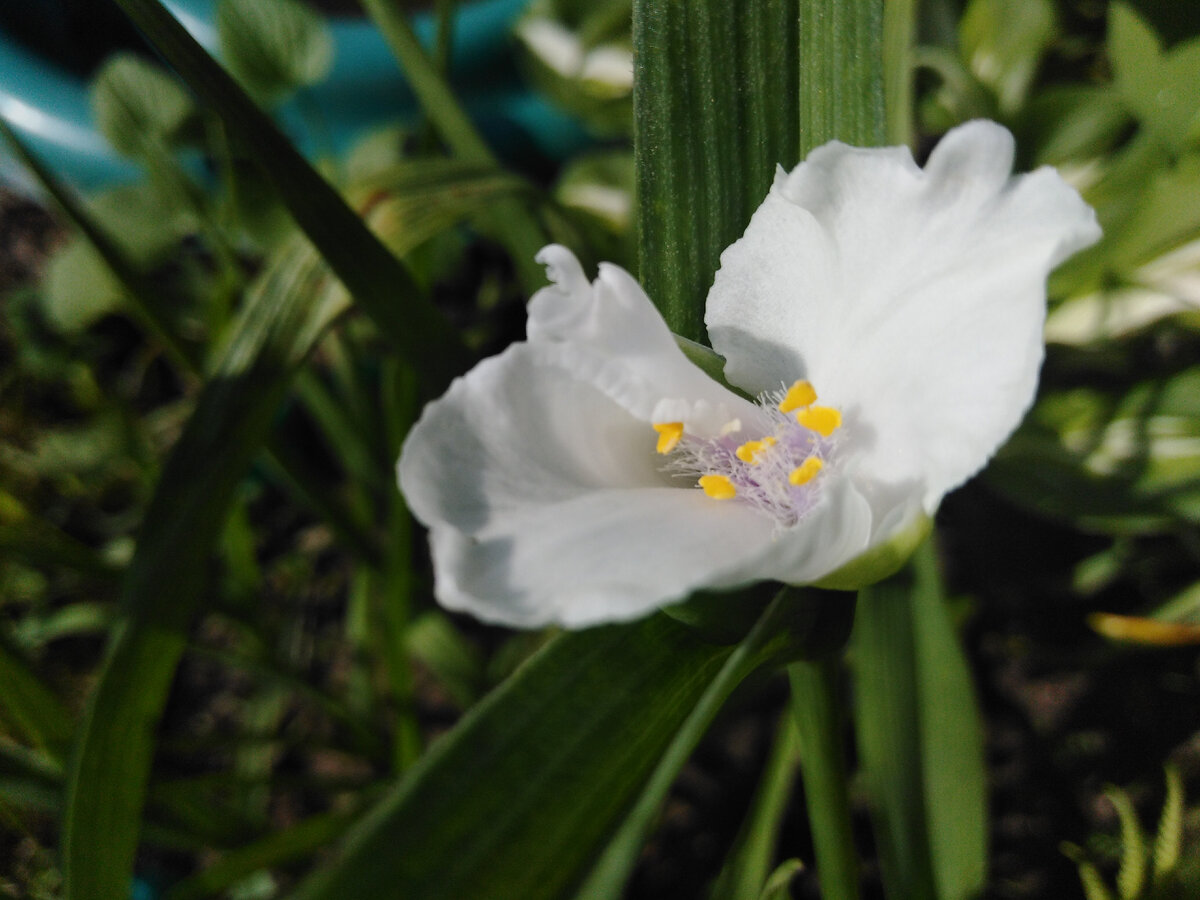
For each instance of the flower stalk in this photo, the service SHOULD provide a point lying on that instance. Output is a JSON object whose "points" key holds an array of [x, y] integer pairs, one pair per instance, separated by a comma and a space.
{"points": [[818, 710]]}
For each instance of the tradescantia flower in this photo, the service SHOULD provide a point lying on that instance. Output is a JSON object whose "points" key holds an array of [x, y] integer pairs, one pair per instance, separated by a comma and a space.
{"points": [[887, 320]]}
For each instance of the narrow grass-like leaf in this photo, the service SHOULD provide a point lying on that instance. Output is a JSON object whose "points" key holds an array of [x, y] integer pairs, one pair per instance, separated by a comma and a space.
{"points": [[1090, 878], [749, 862], [1131, 876], [776, 887], [169, 571], [513, 224], [374, 276], [1168, 842], [715, 110], [29, 779], [280, 324], [272, 850], [32, 710], [920, 738], [140, 290], [953, 766], [818, 710], [516, 800], [607, 879], [888, 734]]}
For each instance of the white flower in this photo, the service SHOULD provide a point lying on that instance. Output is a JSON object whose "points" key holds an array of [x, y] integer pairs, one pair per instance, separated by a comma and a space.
{"points": [[887, 318]]}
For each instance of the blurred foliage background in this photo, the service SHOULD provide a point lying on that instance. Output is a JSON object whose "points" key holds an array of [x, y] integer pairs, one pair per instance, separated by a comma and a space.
{"points": [[314, 669]]}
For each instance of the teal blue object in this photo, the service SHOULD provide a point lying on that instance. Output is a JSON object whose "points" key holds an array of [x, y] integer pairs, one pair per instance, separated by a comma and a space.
{"points": [[49, 108]]}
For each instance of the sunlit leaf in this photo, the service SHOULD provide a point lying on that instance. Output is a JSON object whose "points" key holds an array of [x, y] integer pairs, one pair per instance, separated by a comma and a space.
{"points": [[273, 46], [1158, 86], [1003, 42], [136, 104]]}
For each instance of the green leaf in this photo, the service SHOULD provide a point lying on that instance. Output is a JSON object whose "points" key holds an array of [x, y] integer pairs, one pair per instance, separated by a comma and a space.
{"points": [[267, 852], [1116, 465], [511, 223], [746, 867], [79, 288], [514, 802], [841, 73], [454, 661], [607, 878], [1131, 876], [715, 110], [169, 571], [146, 300], [1003, 42], [920, 738], [818, 708], [953, 766], [584, 62], [32, 710], [1158, 87], [136, 105], [374, 276], [777, 886], [1094, 887], [1168, 842], [273, 47]]}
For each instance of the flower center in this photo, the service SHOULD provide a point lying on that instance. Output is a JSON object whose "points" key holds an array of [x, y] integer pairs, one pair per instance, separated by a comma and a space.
{"points": [[771, 466]]}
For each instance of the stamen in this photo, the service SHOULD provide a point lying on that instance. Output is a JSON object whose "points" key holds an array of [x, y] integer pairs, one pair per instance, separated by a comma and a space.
{"points": [[805, 472], [801, 393], [824, 420], [752, 451], [669, 435], [718, 487]]}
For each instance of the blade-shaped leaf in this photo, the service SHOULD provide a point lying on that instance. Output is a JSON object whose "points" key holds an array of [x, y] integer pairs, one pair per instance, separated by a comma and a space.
{"points": [[514, 802], [29, 706], [374, 276], [291, 305], [920, 738], [168, 573], [513, 224], [715, 110]]}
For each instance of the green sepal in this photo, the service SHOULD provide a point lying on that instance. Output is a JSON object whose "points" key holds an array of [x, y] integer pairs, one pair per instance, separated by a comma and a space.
{"points": [[879, 562]]}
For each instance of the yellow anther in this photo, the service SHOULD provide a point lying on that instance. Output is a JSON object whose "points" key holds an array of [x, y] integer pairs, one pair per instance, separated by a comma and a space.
{"points": [[799, 394], [805, 472], [718, 487], [824, 420], [752, 451], [669, 435]]}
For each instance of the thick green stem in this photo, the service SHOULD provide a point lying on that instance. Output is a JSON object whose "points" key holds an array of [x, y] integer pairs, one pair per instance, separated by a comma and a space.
{"points": [[817, 707]]}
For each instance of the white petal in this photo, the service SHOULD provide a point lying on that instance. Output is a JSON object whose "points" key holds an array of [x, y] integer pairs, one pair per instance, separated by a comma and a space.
{"points": [[603, 556], [609, 334], [913, 300], [519, 430], [546, 502]]}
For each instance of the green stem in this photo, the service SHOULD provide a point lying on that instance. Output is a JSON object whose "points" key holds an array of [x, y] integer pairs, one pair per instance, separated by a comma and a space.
{"points": [[748, 865], [816, 705]]}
